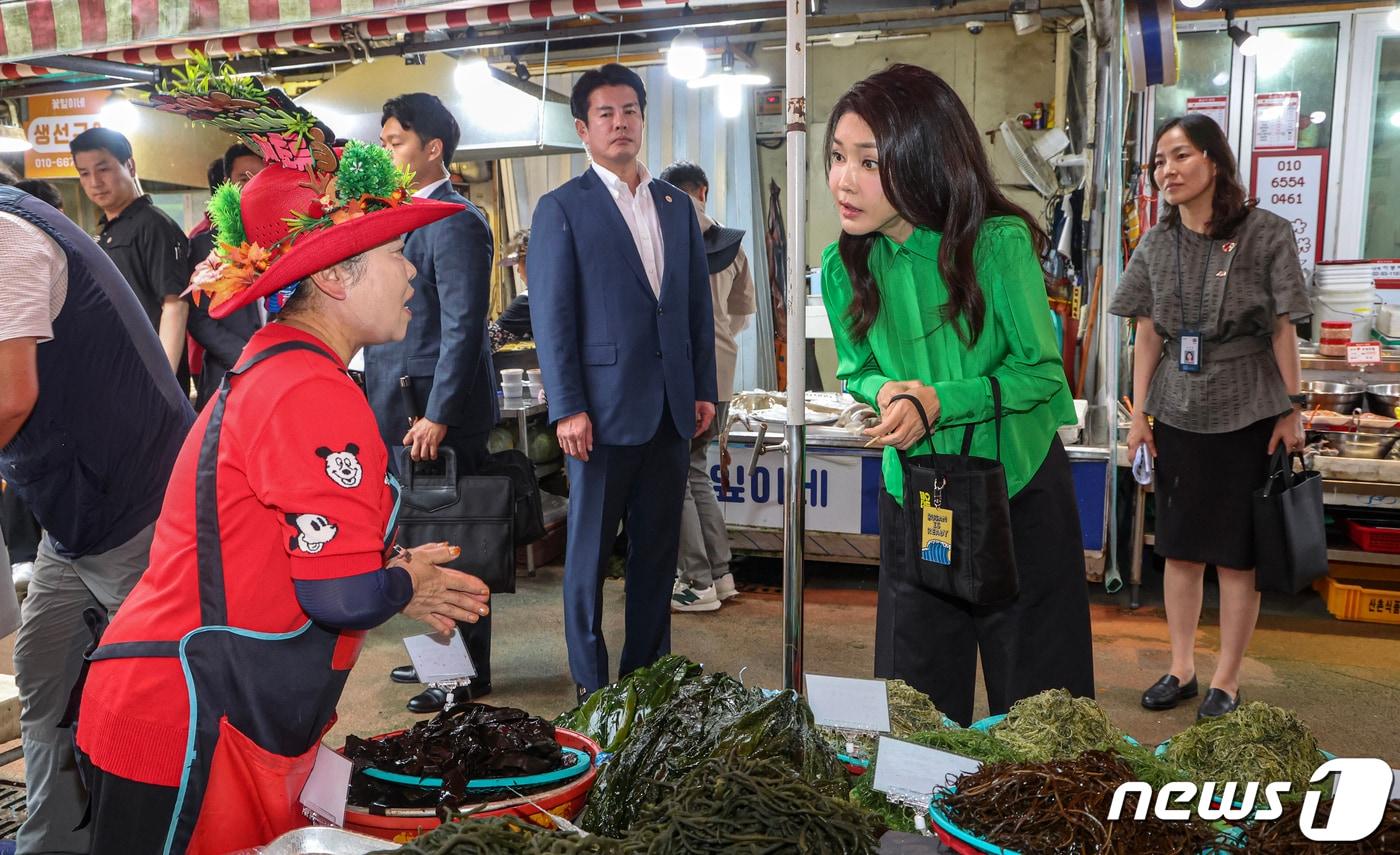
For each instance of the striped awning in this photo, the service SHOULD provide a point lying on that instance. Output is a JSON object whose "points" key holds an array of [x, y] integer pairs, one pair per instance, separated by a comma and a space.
{"points": [[30, 29]]}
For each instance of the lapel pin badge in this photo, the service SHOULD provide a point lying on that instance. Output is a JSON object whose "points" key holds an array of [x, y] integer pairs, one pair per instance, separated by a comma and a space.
{"points": [[668, 198], [1220, 274], [1229, 247]]}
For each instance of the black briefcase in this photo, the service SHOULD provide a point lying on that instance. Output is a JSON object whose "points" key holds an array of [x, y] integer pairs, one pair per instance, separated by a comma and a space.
{"points": [[475, 512]]}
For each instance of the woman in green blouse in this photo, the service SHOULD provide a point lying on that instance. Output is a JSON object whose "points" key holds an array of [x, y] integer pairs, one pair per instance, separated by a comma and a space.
{"points": [[933, 288]]}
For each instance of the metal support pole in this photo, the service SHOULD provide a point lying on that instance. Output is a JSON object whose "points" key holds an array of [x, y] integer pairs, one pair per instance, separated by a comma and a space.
{"points": [[794, 527], [106, 68], [1111, 150]]}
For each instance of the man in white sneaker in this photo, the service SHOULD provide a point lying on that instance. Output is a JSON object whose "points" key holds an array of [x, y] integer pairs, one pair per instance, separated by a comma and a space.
{"points": [[703, 578]]}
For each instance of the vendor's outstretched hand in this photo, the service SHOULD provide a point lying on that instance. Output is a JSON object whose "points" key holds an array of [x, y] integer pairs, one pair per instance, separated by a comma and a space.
{"points": [[442, 596]]}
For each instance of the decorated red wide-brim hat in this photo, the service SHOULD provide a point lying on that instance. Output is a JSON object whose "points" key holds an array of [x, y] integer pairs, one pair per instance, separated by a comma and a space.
{"points": [[292, 229], [313, 206]]}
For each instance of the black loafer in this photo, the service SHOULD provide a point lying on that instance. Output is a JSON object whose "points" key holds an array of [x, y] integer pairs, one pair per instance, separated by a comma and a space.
{"points": [[477, 691], [430, 700], [1167, 692], [1217, 703], [404, 674]]}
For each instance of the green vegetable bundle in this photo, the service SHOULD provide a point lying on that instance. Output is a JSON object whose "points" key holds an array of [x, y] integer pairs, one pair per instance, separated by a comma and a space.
{"points": [[610, 714], [503, 836], [1256, 742], [745, 804], [1055, 725], [712, 716]]}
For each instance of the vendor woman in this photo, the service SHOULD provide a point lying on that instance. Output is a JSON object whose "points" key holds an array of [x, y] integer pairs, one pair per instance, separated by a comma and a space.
{"points": [[934, 289], [1215, 288], [209, 693]]}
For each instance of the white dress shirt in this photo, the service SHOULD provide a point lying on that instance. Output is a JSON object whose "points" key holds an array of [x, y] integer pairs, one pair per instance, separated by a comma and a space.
{"points": [[429, 189], [639, 211]]}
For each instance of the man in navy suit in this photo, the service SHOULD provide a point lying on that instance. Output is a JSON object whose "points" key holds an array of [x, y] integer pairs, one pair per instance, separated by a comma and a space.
{"points": [[445, 354], [620, 302]]}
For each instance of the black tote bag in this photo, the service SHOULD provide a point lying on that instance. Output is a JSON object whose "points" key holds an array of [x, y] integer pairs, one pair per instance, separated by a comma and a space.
{"points": [[475, 512], [973, 558], [1290, 535]]}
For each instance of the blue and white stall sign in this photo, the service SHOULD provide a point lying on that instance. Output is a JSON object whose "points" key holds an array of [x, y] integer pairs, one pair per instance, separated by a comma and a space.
{"points": [[841, 489]]}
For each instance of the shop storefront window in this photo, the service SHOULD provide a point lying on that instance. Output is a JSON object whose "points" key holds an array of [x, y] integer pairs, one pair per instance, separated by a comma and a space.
{"points": [[1203, 84], [1382, 201], [1301, 59]]}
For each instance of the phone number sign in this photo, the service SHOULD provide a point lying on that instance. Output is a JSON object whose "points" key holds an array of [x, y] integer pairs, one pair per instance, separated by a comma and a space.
{"points": [[1294, 186], [54, 120]]}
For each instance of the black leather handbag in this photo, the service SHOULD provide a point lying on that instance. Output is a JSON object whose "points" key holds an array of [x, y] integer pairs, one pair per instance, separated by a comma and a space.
{"points": [[475, 512], [1290, 532], [958, 518]]}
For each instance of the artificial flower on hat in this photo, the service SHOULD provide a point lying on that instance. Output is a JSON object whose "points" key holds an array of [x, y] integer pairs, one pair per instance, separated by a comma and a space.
{"points": [[311, 208]]}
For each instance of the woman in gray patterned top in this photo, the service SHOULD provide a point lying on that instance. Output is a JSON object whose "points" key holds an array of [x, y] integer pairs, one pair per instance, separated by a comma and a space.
{"points": [[1216, 288]]}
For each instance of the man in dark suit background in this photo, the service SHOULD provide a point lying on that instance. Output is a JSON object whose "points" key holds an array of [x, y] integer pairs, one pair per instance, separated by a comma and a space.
{"points": [[445, 353], [625, 334], [223, 339]]}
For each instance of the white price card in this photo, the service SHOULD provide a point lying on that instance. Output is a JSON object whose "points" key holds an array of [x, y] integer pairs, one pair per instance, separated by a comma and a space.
{"points": [[1364, 353], [1276, 120], [440, 658], [910, 773], [328, 787], [849, 704]]}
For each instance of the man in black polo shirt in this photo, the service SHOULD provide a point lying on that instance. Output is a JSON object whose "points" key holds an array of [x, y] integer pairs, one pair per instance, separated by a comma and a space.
{"points": [[149, 249]]}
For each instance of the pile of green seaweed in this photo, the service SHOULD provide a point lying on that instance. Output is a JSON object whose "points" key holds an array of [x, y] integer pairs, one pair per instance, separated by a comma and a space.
{"points": [[1255, 742], [713, 716], [610, 714]]}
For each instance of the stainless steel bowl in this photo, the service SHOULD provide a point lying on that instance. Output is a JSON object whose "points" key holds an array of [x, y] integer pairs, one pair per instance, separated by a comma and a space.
{"points": [[1338, 397], [1383, 398], [1371, 446]]}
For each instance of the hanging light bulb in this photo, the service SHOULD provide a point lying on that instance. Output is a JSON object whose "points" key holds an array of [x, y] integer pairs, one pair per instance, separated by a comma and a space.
{"points": [[686, 58], [730, 94], [1192, 4], [1247, 42], [470, 74], [120, 115]]}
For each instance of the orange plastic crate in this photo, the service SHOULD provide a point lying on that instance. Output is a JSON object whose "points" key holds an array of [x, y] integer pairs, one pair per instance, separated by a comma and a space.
{"points": [[1355, 602], [1373, 538]]}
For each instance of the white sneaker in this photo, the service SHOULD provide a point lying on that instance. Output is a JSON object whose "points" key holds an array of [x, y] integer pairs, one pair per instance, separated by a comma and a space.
{"points": [[724, 587], [687, 599]]}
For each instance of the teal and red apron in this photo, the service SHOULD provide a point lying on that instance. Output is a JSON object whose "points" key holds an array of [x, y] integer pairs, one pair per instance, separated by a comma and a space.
{"points": [[259, 702]]}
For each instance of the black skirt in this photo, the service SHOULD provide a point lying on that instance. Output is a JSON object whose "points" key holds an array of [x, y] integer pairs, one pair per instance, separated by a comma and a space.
{"points": [[1203, 487]]}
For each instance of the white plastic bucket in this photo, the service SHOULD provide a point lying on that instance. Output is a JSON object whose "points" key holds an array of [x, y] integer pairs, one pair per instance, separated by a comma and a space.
{"points": [[1355, 304]]}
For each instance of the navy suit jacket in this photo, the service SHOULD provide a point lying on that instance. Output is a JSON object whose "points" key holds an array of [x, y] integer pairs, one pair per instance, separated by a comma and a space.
{"points": [[607, 346], [445, 351]]}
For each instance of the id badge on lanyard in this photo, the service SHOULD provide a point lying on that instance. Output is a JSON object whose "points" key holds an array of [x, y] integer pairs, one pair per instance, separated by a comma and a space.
{"points": [[1190, 360]]}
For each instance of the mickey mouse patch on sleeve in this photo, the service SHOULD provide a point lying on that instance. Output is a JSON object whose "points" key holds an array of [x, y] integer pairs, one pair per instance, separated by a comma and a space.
{"points": [[313, 532], [343, 466]]}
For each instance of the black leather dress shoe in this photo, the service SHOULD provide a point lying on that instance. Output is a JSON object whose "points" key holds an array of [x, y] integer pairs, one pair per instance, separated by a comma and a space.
{"points": [[430, 700], [477, 691], [404, 674], [1217, 702], [1167, 692]]}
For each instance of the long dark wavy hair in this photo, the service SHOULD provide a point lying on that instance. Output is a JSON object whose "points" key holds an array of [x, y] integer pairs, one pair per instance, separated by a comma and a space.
{"points": [[1230, 204], [934, 171]]}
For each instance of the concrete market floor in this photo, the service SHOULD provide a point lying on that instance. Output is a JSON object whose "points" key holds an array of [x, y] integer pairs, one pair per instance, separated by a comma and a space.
{"points": [[1340, 677]]}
